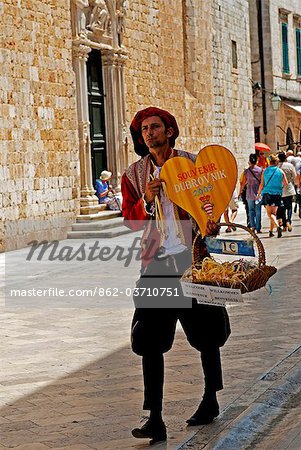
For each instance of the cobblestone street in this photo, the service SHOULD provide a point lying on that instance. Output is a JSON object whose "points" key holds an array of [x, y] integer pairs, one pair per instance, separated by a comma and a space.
{"points": [[70, 381]]}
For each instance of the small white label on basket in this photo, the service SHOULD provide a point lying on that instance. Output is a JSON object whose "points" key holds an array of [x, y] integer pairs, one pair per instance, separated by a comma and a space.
{"points": [[211, 295], [198, 291], [226, 294]]}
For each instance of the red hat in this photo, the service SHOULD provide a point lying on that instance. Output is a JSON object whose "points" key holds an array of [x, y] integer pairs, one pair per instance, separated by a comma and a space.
{"points": [[139, 145]]}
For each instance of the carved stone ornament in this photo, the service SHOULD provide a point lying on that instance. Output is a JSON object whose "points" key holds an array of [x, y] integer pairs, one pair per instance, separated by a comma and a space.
{"points": [[297, 20], [81, 17], [100, 19], [80, 51], [86, 132], [120, 17]]}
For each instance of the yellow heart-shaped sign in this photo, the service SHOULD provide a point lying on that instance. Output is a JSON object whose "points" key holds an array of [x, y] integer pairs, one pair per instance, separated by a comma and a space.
{"points": [[204, 188]]}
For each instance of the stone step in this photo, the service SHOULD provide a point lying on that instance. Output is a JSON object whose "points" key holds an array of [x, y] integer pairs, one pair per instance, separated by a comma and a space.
{"points": [[94, 209], [97, 234], [102, 215], [99, 225]]}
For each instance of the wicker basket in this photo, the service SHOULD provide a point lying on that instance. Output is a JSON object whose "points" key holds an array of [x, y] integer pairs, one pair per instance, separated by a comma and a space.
{"points": [[255, 278]]}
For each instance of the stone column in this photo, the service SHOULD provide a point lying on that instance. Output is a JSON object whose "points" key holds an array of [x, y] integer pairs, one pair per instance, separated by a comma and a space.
{"points": [[88, 199], [123, 131], [112, 64]]}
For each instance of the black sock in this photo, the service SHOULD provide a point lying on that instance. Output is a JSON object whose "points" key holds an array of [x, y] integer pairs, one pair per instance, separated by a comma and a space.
{"points": [[155, 414], [210, 395]]}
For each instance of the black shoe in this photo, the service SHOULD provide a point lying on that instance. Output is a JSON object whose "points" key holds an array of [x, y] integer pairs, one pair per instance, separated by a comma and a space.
{"points": [[205, 413], [152, 429], [271, 234], [279, 232]]}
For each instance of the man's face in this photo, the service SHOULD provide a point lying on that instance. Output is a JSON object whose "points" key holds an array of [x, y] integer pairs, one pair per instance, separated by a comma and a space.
{"points": [[154, 132]]}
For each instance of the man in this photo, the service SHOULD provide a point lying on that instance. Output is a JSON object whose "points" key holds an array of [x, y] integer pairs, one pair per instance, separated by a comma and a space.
{"points": [[285, 211], [296, 162], [290, 157], [298, 170], [165, 256]]}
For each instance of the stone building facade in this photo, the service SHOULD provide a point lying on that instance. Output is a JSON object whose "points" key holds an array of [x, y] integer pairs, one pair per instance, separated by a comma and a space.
{"points": [[181, 58], [39, 165], [276, 66], [74, 73], [231, 56]]}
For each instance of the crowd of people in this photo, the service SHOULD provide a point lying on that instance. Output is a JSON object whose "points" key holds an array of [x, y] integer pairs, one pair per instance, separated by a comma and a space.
{"points": [[273, 182]]}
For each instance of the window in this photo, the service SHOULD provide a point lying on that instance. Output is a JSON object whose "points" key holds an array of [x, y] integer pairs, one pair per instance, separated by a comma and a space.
{"points": [[234, 54], [298, 50], [285, 57]]}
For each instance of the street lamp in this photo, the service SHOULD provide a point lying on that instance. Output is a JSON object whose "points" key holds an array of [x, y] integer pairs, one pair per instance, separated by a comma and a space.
{"points": [[275, 100]]}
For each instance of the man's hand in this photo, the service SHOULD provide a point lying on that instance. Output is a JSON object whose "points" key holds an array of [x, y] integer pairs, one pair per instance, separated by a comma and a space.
{"points": [[151, 190], [212, 229]]}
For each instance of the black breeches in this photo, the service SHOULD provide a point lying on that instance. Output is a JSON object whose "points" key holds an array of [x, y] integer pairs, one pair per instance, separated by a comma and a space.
{"points": [[153, 329]]}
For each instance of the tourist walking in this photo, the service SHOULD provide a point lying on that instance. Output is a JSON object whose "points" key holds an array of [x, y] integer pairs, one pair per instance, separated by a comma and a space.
{"points": [[285, 211], [298, 195], [251, 179], [271, 186]]}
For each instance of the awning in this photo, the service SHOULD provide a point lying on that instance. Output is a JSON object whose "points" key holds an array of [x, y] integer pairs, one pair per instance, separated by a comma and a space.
{"points": [[295, 106]]}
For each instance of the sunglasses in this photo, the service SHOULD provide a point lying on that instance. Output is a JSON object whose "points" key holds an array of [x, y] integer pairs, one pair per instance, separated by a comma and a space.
{"points": [[261, 154]]}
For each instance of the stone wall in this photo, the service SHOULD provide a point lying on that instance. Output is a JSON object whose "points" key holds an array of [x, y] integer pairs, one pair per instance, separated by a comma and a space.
{"points": [[233, 124], [155, 71], [180, 59], [39, 172]]}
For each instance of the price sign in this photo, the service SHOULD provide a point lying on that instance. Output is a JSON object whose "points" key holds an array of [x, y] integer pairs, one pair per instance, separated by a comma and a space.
{"points": [[230, 246]]}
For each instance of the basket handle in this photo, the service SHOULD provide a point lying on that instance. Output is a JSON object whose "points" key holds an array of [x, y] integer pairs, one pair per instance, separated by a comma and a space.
{"points": [[260, 247]]}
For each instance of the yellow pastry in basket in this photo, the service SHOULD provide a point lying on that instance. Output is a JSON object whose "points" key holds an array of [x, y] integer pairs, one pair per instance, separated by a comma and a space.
{"points": [[214, 271]]}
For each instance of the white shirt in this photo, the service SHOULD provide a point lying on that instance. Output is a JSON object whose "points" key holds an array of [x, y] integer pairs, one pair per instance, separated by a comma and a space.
{"points": [[172, 244]]}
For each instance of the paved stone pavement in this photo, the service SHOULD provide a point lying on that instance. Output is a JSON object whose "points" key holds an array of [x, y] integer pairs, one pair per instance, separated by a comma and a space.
{"points": [[68, 379]]}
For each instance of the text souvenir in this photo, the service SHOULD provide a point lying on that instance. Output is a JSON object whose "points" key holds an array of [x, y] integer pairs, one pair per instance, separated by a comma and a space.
{"points": [[204, 188]]}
